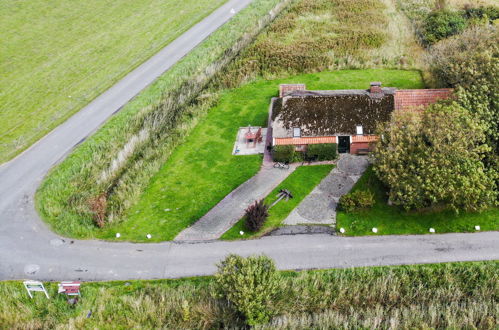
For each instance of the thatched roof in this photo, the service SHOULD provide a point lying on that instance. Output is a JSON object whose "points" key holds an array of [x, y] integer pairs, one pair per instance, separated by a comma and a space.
{"points": [[321, 113]]}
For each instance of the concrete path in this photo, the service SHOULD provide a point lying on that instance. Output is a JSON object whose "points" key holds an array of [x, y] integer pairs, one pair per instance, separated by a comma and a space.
{"points": [[319, 207], [226, 213]]}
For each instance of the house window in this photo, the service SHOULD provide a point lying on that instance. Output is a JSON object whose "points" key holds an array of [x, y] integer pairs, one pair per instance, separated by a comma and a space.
{"points": [[296, 132], [360, 130]]}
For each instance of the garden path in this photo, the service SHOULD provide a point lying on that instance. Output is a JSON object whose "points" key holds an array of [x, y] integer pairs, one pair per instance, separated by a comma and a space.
{"points": [[319, 207], [229, 210]]}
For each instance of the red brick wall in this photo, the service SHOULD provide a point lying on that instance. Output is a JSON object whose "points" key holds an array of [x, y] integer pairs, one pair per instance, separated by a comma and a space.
{"points": [[409, 99], [354, 146], [286, 88]]}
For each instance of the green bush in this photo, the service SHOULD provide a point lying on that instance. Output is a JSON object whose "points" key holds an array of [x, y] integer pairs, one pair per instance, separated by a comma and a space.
{"points": [[491, 13], [359, 199], [250, 285], [283, 154], [442, 24], [255, 215], [326, 151]]}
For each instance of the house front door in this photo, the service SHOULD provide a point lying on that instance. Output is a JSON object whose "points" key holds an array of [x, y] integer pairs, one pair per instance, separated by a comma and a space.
{"points": [[343, 144]]}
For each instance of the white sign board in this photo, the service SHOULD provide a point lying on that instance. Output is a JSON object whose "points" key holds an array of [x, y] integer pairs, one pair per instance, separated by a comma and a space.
{"points": [[35, 286]]}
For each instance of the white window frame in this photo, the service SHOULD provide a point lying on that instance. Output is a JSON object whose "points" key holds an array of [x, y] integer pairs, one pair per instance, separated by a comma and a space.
{"points": [[296, 132], [359, 130]]}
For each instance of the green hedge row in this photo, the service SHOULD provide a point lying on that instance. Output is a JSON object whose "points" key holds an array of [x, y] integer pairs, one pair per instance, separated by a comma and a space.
{"points": [[314, 152]]}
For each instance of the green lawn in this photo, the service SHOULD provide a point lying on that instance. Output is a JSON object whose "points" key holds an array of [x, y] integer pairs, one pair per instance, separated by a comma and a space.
{"points": [[449, 295], [394, 220], [202, 171], [57, 56], [301, 182]]}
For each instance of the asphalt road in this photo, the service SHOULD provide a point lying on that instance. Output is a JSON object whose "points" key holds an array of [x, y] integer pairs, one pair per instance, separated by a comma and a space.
{"points": [[28, 249]]}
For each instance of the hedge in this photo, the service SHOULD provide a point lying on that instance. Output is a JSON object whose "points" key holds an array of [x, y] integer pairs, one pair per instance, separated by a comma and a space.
{"points": [[326, 151]]}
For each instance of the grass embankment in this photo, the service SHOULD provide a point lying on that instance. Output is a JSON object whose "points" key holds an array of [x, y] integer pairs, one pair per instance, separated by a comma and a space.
{"points": [[116, 165], [300, 183], [57, 57], [317, 35], [202, 171], [454, 295], [118, 161], [395, 220]]}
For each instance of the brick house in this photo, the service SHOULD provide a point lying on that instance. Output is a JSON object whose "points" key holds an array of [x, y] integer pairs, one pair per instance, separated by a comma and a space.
{"points": [[346, 117]]}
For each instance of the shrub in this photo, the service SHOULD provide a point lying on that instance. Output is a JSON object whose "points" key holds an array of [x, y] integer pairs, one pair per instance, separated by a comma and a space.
{"points": [[256, 214], [249, 285], [359, 199], [326, 151], [442, 24], [434, 158], [283, 154], [490, 13]]}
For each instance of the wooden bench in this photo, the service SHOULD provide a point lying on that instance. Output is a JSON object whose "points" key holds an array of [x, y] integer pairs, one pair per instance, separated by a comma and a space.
{"points": [[362, 151]]}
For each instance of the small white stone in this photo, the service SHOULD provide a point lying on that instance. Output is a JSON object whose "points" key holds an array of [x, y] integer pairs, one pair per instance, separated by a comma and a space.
{"points": [[342, 230], [477, 227], [241, 233], [375, 230], [148, 236], [118, 235], [432, 230], [167, 210]]}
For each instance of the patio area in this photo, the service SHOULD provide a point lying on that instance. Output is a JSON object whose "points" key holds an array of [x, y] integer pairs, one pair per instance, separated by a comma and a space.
{"points": [[250, 141]]}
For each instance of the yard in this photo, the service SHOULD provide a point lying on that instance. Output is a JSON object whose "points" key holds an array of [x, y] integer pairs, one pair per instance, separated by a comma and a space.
{"points": [[202, 171], [56, 57], [394, 220], [300, 183]]}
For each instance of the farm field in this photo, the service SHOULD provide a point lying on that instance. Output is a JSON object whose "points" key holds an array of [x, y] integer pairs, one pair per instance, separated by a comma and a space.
{"points": [[453, 295], [57, 57], [394, 220]]}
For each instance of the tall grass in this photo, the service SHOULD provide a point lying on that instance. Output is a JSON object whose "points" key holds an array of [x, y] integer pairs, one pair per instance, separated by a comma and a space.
{"points": [[118, 161], [456, 295]]}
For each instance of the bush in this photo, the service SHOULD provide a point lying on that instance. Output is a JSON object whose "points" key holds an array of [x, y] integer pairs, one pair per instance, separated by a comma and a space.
{"points": [[250, 285], [434, 158], [491, 13], [283, 154], [326, 151], [359, 199], [256, 214], [442, 24]]}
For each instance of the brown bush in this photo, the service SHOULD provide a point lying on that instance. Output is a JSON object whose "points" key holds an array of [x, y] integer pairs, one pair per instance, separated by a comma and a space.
{"points": [[98, 205]]}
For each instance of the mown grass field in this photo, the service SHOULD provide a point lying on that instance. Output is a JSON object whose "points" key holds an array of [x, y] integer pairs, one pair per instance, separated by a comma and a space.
{"points": [[202, 171], [395, 220], [300, 183], [56, 57], [454, 295]]}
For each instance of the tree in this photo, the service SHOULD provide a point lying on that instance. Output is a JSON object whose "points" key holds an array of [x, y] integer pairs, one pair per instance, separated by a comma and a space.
{"points": [[250, 285], [434, 157], [470, 63]]}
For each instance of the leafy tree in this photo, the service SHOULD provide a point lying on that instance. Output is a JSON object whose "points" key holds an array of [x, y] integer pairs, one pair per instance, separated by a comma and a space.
{"points": [[434, 157], [250, 285], [470, 63]]}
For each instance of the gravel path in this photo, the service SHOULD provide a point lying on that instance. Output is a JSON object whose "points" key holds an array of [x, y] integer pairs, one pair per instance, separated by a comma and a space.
{"points": [[319, 207]]}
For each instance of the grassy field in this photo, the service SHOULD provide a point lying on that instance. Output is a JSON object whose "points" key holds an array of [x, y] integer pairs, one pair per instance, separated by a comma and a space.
{"points": [[201, 171], [455, 295], [112, 161], [394, 220], [57, 57], [301, 182]]}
